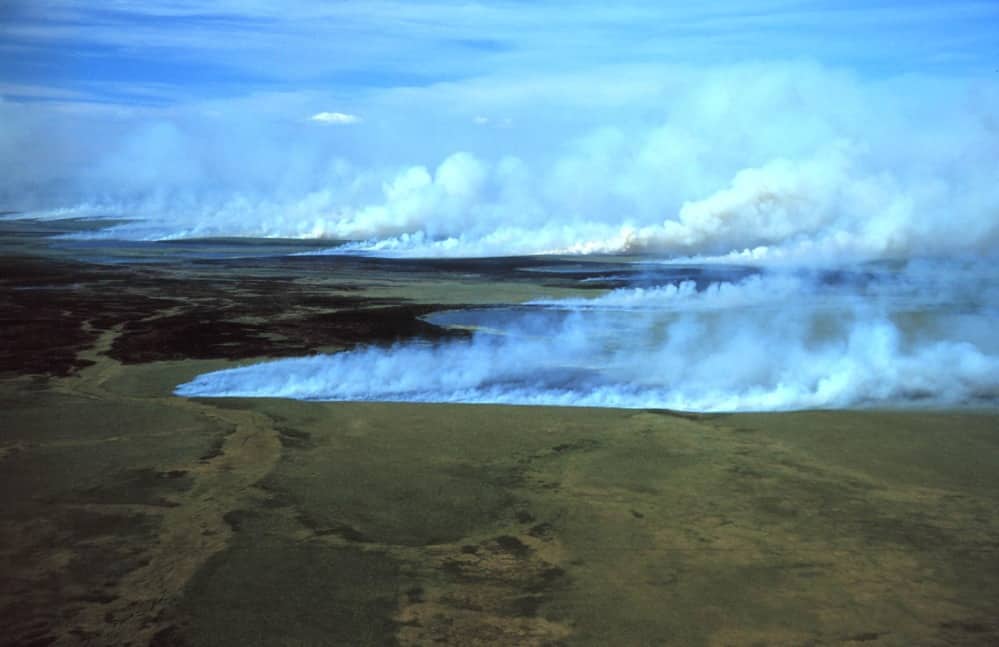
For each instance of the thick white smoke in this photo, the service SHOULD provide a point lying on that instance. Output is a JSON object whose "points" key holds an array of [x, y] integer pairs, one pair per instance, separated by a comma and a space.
{"points": [[762, 162], [777, 341]]}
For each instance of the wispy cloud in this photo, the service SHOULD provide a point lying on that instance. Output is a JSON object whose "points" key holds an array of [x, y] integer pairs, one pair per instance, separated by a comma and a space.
{"points": [[337, 118], [226, 48], [482, 120]]}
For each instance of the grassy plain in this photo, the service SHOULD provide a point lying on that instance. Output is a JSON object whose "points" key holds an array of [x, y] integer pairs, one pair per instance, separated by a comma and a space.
{"points": [[130, 516]]}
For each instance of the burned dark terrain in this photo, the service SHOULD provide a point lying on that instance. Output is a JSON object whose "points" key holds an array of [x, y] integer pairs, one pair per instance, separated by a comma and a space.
{"points": [[172, 301], [131, 516]]}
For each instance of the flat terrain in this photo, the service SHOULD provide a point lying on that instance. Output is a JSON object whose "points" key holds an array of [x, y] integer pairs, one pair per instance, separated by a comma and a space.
{"points": [[134, 517]]}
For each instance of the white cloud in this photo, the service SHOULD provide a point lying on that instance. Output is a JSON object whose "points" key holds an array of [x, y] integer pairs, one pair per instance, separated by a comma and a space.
{"points": [[505, 122], [338, 118]]}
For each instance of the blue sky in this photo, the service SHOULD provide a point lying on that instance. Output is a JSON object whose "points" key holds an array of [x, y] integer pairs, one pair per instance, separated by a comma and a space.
{"points": [[165, 53], [428, 119]]}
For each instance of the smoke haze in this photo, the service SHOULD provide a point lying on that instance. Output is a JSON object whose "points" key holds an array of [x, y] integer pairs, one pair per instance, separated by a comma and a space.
{"points": [[779, 161], [921, 336], [778, 134]]}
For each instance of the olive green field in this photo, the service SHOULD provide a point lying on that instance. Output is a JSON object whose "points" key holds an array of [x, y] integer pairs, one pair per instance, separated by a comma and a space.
{"points": [[131, 516]]}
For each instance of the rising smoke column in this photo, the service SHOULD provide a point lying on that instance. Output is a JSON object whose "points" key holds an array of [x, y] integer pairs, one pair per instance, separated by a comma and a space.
{"points": [[786, 162]]}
